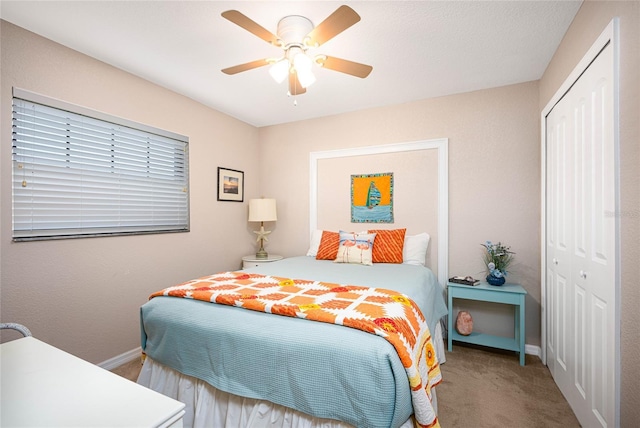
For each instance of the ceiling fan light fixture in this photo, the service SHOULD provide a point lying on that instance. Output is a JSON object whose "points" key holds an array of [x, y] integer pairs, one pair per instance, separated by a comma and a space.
{"points": [[302, 65], [280, 70], [306, 78], [301, 62]]}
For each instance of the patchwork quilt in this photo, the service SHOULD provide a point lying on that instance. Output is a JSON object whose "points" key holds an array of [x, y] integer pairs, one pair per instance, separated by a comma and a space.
{"points": [[378, 311]]}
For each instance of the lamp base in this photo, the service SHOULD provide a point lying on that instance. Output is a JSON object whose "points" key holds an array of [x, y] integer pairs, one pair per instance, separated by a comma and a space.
{"points": [[262, 236], [262, 254]]}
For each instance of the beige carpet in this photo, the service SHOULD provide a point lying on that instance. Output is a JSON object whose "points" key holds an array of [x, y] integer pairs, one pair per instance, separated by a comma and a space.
{"points": [[485, 388], [482, 387]]}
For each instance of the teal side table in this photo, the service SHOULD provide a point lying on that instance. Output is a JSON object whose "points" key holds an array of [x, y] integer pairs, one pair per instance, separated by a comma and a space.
{"points": [[510, 294]]}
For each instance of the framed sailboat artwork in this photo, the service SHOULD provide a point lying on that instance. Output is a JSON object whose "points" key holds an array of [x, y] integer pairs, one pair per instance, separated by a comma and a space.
{"points": [[372, 198]]}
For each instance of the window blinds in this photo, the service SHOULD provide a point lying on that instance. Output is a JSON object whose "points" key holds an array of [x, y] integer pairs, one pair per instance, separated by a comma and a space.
{"points": [[75, 175]]}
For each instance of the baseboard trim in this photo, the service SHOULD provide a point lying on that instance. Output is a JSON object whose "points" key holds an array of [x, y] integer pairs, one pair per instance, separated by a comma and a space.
{"points": [[533, 350], [121, 359]]}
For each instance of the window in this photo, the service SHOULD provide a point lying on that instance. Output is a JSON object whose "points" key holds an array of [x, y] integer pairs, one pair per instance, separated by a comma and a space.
{"points": [[79, 173]]}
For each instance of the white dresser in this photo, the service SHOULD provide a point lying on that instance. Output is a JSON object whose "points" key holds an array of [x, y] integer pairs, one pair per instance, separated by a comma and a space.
{"points": [[42, 386]]}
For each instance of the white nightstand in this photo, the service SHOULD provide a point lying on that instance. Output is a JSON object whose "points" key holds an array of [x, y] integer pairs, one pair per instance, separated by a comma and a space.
{"points": [[252, 261]]}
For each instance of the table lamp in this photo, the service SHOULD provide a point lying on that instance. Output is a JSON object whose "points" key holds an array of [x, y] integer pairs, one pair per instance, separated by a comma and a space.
{"points": [[262, 210]]}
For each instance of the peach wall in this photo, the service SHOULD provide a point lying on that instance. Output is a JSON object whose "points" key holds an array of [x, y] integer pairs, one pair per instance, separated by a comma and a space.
{"points": [[494, 176], [589, 22], [83, 295]]}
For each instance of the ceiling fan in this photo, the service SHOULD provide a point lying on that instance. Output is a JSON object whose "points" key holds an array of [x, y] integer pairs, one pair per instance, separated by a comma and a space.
{"points": [[296, 35]]}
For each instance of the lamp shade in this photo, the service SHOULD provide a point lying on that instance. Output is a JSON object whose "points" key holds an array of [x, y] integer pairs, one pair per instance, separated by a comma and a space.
{"points": [[280, 70], [302, 63], [262, 210]]}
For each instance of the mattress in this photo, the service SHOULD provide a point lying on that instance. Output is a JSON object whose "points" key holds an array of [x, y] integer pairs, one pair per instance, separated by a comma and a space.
{"points": [[315, 368]]}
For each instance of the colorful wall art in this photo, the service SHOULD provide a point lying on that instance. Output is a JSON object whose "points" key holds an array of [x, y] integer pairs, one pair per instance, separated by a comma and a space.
{"points": [[372, 198]]}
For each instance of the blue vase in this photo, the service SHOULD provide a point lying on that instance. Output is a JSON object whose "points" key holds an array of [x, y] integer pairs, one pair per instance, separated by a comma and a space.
{"points": [[494, 280]]}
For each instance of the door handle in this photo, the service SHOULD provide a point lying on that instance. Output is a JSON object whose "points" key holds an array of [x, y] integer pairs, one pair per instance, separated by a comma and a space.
{"points": [[555, 261], [583, 274]]}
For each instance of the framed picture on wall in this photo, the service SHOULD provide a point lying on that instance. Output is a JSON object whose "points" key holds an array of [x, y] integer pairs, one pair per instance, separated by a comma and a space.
{"points": [[230, 185], [372, 198]]}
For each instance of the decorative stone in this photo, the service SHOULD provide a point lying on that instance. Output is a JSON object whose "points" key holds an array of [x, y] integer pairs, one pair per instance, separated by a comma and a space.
{"points": [[464, 323]]}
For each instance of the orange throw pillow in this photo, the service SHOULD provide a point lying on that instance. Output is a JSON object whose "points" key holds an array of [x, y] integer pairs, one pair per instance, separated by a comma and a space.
{"points": [[388, 245], [328, 248]]}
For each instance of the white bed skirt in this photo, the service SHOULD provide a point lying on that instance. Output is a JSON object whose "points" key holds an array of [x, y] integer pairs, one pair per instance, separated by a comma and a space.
{"points": [[206, 406]]}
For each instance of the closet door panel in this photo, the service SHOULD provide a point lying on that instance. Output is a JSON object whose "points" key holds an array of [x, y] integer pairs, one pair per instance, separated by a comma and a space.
{"points": [[601, 380], [559, 243], [602, 196], [580, 180], [580, 341]]}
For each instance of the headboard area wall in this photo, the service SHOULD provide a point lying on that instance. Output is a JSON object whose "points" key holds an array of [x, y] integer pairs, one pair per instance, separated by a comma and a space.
{"points": [[420, 191]]}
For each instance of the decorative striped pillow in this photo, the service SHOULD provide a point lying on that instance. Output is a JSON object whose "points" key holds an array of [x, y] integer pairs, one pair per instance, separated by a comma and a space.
{"points": [[388, 246], [328, 248]]}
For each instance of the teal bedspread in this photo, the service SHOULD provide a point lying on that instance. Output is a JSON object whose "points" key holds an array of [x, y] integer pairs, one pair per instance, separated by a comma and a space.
{"points": [[324, 370]]}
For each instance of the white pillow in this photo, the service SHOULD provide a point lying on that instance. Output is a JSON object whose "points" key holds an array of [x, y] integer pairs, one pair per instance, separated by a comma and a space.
{"points": [[415, 247], [316, 237]]}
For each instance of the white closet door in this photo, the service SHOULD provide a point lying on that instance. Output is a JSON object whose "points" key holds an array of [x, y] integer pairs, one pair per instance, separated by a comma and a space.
{"points": [[580, 240], [559, 213]]}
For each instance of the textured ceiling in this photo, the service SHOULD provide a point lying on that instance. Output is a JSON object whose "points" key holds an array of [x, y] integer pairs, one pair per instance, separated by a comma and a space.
{"points": [[418, 49]]}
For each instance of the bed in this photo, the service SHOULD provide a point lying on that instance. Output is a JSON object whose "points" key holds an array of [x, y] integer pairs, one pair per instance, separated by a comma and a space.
{"points": [[238, 367]]}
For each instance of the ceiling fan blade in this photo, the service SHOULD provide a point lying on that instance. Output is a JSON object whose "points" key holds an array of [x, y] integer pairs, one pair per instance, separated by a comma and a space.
{"points": [[295, 88], [251, 26], [246, 66], [345, 66], [343, 18]]}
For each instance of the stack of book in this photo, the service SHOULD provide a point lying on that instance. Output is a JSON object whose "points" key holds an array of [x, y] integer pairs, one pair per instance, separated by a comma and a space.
{"points": [[466, 280]]}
